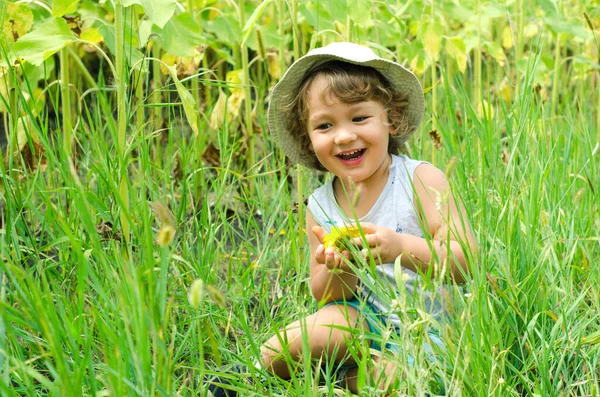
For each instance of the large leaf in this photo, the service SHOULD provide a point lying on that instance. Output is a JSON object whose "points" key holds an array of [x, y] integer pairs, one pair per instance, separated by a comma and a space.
{"points": [[182, 35], [252, 20], [17, 20], [431, 37], [360, 11], [559, 24], [44, 41], [315, 14], [62, 7], [270, 36], [158, 11], [338, 9], [189, 104], [226, 30], [108, 33], [495, 51], [455, 47]]}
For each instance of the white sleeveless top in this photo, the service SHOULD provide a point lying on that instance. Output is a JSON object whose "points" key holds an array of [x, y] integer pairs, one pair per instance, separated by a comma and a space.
{"points": [[395, 210]]}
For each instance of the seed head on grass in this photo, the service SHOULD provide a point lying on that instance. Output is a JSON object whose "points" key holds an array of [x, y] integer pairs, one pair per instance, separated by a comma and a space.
{"points": [[167, 230], [165, 235], [196, 293]]}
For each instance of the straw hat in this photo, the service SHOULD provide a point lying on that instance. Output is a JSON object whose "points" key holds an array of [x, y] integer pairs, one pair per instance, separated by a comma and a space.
{"points": [[401, 78]]}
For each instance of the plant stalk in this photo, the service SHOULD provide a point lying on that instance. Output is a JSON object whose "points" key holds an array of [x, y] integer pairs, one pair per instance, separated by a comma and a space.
{"points": [[67, 124], [250, 161], [477, 61], [121, 119], [555, 80]]}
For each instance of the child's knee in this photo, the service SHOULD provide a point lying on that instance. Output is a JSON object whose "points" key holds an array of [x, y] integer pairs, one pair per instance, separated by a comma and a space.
{"points": [[269, 352]]}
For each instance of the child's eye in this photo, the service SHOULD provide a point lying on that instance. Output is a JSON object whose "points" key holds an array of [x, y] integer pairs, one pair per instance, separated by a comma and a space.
{"points": [[359, 119], [323, 126]]}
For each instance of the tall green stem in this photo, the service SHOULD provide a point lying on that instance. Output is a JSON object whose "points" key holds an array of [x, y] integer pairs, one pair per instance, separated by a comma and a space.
{"points": [[555, 80], [156, 99], [299, 168], [296, 33], [67, 125], [433, 91], [281, 31], [477, 61], [121, 118], [519, 39], [247, 93]]}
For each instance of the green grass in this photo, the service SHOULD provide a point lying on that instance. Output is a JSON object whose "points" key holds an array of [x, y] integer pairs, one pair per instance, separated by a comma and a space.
{"points": [[85, 312]]}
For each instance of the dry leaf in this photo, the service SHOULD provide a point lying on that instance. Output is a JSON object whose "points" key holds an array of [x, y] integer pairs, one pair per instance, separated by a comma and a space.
{"points": [[211, 155], [34, 155], [105, 229], [436, 138], [74, 23]]}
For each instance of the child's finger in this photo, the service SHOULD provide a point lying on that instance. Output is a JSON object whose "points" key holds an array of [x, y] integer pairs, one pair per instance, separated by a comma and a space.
{"points": [[320, 254], [319, 233], [368, 228], [369, 240]]}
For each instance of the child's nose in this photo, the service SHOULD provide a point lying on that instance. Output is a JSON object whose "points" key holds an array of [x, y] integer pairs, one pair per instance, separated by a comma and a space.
{"points": [[345, 134]]}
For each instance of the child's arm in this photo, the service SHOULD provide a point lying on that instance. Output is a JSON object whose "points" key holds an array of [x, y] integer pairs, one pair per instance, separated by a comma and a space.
{"points": [[330, 278], [443, 220]]}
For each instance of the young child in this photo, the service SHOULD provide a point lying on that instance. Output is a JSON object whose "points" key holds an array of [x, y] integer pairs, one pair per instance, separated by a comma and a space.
{"points": [[344, 110]]}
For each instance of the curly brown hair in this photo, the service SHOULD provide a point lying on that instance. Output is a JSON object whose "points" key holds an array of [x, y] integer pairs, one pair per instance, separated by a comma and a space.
{"points": [[350, 83]]}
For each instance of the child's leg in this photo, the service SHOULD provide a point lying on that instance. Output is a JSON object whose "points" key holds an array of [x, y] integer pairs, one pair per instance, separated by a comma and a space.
{"points": [[383, 374], [327, 332]]}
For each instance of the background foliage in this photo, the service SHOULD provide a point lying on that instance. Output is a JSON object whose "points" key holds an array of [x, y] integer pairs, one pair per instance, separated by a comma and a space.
{"points": [[137, 160]]}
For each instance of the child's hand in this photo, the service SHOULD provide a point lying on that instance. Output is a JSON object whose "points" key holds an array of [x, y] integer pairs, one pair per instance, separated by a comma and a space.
{"points": [[331, 257], [380, 242]]}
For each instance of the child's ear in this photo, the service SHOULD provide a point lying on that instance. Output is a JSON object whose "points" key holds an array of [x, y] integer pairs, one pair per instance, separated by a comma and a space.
{"points": [[393, 130]]}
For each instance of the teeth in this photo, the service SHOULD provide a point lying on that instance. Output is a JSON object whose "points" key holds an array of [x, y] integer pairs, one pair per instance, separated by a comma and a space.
{"points": [[350, 155]]}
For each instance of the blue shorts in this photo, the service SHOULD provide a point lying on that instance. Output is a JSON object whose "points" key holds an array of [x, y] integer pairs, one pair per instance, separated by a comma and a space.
{"points": [[377, 321]]}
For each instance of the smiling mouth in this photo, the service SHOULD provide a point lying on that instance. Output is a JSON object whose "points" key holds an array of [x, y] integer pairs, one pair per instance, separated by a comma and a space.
{"points": [[353, 155]]}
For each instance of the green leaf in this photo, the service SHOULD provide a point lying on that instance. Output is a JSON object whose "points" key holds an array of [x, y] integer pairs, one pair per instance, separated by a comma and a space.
{"points": [[559, 24], [252, 20], [315, 14], [338, 9], [158, 11], [62, 7], [226, 30], [182, 35], [271, 38], [431, 36], [44, 41], [360, 11], [550, 7], [107, 31], [496, 51], [33, 74], [455, 47], [453, 11], [583, 60], [189, 104], [492, 10]]}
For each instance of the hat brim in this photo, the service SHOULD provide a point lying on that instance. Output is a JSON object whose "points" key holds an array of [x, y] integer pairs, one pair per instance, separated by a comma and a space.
{"points": [[402, 79]]}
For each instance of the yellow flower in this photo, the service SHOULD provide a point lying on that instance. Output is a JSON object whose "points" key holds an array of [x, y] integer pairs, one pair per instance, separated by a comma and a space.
{"points": [[338, 237]]}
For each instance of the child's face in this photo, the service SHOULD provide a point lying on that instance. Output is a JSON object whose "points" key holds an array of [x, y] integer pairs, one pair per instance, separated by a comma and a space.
{"points": [[350, 140]]}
